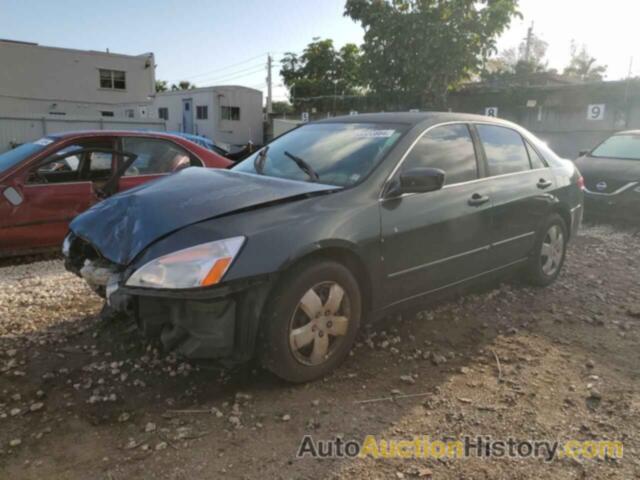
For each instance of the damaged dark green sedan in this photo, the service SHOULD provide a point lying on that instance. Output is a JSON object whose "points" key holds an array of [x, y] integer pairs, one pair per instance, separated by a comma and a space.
{"points": [[333, 224]]}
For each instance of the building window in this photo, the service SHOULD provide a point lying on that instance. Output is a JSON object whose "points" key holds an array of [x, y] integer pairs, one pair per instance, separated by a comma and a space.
{"points": [[163, 113], [112, 79], [202, 112], [230, 113], [129, 113], [106, 113]]}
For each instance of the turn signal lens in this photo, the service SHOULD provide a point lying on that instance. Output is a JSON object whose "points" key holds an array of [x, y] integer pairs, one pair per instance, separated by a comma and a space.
{"points": [[580, 182], [217, 271]]}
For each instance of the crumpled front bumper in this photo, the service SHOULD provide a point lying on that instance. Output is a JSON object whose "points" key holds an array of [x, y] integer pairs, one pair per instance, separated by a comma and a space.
{"points": [[213, 322], [217, 322]]}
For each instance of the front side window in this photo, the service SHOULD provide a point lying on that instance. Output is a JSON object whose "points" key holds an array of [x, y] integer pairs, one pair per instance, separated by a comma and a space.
{"points": [[340, 154], [624, 146], [449, 148], [64, 166], [202, 112], [154, 156], [112, 79], [504, 149], [230, 113]]}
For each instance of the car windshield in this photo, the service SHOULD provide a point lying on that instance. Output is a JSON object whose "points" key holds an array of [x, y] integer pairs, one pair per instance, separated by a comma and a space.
{"points": [[625, 146], [340, 154], [24, 151]]}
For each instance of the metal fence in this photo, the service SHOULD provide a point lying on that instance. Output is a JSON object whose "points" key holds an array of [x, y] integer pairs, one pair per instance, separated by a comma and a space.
{"points": [[18, 129]]}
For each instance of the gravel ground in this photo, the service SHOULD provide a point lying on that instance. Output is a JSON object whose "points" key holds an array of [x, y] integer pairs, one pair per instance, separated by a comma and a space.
{"points": [[82, 399]]}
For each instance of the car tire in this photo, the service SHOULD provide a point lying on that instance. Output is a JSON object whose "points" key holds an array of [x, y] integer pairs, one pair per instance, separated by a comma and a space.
{"points": [[548, 253], [311, 321]]}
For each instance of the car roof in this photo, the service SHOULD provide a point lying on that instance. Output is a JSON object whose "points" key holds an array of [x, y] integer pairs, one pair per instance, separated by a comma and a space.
{"points": [[412, 118], [111, 133], [628, 132]]}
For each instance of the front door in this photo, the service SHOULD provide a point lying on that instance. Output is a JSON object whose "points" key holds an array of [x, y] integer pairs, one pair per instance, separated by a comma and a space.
{"points": [[519, 181], [436, 239], [187, 115], [55, 191]]}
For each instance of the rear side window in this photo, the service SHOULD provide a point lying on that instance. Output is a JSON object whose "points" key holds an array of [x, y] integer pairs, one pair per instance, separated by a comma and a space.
{"points": [[536, 160], [154, 156], [449, 148], [504, 148]]}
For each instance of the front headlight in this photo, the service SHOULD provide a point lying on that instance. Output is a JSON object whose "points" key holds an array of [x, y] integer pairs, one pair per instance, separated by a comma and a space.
{"points": [[198, 266]]}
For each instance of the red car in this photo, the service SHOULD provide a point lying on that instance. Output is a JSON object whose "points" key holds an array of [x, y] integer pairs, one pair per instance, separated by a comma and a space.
{"points": [[44, 184]]}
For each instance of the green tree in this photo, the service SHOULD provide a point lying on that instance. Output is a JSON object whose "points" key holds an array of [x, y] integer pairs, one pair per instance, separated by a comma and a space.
{"points": [[161, 86], [583, 65], [182, 85], [321, 74], [280, 108], [517, 65], [415, 51]]}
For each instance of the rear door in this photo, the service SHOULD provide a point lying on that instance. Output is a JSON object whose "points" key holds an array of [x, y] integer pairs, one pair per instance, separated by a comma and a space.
{"points": [[156, 158], [520, 190], [431, 240], [60, 187]]}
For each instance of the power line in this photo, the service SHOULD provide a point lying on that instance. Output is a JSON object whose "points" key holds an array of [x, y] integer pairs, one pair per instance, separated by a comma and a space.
{"points": [[232, 77], [222, 68], [237, 72]]}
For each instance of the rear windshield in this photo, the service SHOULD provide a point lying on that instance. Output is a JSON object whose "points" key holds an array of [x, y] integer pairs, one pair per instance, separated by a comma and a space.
{"points": [[625, 146], [24, 151], [341, 154]]}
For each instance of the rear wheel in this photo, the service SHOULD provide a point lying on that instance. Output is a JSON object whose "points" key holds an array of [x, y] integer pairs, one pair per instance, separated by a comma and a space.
{"points": [[312, 321], [548, 253]]}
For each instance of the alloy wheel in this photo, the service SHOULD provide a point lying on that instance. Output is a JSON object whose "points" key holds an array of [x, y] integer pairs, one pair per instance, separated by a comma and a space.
{"points": [[319, 323], [552, 250]]}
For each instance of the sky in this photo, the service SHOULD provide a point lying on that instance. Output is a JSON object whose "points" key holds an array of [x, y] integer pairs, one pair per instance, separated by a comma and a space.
{"points": [[213, 42]]}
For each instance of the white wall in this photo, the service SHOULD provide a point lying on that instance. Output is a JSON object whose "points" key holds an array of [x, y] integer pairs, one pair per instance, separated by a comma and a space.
{"points": [[224, 132], [37, 80], [22, 129], [174, 101], [250, 125]]}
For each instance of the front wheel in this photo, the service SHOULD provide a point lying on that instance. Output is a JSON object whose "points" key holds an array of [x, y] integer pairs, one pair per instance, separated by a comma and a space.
{"points": [[549, 252], [311, 322]]}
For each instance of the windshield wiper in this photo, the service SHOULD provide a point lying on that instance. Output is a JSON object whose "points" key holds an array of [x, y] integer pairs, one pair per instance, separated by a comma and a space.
{"points": [[258, 163], [304, 166]]}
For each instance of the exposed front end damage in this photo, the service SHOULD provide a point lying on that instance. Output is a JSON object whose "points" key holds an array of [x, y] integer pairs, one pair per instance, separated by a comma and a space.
{"points": [[213, 323]]}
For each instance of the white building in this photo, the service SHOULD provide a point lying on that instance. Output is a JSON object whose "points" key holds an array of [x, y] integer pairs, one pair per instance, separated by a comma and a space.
{"points": [[229, 115], [38, 80]]}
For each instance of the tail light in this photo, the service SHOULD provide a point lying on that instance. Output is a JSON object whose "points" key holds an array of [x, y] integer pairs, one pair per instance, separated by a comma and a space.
{"points": [[580, 182]]}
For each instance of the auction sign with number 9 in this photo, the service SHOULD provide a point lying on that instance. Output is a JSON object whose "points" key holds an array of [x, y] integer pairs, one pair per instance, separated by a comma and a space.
{"points": [[595, 112]]}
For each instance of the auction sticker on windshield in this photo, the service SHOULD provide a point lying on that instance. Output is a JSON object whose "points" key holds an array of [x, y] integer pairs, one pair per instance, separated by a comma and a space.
{"points": [[373, 133]]}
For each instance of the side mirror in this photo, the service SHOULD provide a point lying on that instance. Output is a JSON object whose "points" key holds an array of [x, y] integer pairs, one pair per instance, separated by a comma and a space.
{"points": [[421, 180], [583, 153], [13, 196]]}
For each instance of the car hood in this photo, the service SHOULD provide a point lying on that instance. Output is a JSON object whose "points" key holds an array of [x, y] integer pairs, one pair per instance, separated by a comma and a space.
{"points": [[121, 226], [601, 168]]}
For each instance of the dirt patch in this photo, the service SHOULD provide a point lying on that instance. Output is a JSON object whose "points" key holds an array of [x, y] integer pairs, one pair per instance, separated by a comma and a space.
{"points": [[80, 399]]}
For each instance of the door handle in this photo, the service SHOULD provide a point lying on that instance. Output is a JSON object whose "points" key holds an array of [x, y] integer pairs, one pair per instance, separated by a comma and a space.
{"points": [[476, 200], [542, 183]]}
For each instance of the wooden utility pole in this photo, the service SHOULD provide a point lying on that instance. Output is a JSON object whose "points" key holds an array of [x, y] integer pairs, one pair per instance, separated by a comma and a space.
{"points": [[269, 98]]}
